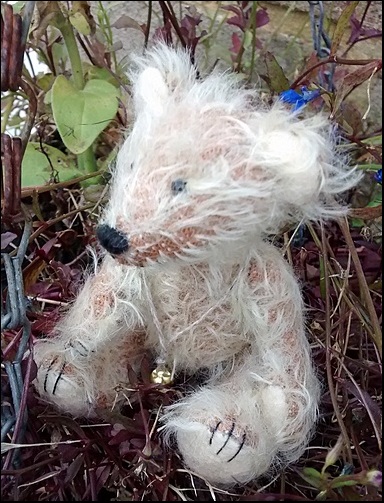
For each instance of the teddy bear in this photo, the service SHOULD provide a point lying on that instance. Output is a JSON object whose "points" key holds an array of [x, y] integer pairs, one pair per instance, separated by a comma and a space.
{"points": [[206, 175]]}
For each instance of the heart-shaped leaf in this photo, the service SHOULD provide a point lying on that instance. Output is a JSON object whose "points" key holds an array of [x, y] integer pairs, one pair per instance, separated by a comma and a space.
{"points": [[38, 170], [81, 115]]}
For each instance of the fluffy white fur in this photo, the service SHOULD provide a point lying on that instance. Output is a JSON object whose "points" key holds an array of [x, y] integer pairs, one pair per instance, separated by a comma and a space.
{"points": [[199, 286]]}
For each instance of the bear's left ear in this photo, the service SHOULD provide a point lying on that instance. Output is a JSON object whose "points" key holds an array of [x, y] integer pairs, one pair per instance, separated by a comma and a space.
{"points": [[151, 91]]}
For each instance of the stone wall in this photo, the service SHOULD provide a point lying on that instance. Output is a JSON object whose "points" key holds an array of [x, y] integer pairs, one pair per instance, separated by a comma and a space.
{"points": [[287, 36]]}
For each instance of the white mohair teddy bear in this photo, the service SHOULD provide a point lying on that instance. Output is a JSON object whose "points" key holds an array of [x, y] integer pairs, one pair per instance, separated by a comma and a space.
{"points": [[205, 175]]}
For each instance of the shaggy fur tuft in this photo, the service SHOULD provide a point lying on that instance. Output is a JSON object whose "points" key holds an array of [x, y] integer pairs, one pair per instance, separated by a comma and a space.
{"points": [[206, 173]]}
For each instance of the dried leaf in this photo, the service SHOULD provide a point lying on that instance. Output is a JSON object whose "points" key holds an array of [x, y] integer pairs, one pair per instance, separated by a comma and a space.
{"points": [[238, 19], [40, 479], [236, 43], [368, 213], [188, 26], [350, 115], [7, 446], [358, 31], [73, 468], [365, 399], [262, 17], [125, 21], [31, 274], [102, 474], [45, 13], [7, 238], [354, 79]]}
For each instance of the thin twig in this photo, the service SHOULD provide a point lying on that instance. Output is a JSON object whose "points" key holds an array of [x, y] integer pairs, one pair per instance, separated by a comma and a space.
{"points": [[339, 61], [148, 27], [377, 335], [328, 347]]}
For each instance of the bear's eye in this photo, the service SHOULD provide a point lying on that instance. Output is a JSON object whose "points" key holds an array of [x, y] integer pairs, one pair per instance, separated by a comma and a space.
{"points": [[178, 186]]}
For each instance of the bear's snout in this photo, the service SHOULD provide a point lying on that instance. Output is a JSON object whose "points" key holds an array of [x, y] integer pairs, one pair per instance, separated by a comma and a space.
{"points": [[112, 240]]}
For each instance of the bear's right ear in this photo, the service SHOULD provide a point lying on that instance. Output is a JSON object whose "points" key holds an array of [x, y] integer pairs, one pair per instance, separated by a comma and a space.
{"points": [[151, 92]]}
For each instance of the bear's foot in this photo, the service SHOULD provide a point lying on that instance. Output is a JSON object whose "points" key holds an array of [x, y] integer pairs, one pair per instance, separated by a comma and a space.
{"points": [[221, 451], [62, 381], [222, 438]]}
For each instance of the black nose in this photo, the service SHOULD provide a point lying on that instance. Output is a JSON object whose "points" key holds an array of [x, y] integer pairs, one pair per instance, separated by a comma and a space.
{"points": [[111, 239]]}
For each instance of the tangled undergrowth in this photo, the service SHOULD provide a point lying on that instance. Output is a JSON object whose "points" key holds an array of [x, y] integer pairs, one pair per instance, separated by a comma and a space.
{"points": [[54, 182]]}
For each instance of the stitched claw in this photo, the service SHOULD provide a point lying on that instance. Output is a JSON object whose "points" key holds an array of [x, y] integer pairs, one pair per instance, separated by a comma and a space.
{"points": [[80, 348], [48, 371], [239, 449], [230, 434], [58, 378], [227, 439], [214, 431]]}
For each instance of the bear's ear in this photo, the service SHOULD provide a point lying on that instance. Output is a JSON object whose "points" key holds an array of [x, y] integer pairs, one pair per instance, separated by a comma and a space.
{"points": [[151, 91], [161, 74], [293, 163]]}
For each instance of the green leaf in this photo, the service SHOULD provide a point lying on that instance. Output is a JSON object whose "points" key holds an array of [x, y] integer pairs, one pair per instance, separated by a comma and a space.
{"points": [[81, 115], [17, 6], [36, 169], [313, 477], [342, 483], [79, 21], [48, 97], [342, 25], [275, 77], [44, 81], [312, 472], [248, 37], [334, 454], [59, 54], [94, 72], [370, 167], [14, 121], [376, 201], [351, 494], [357, 222], [374, 140], [81, 18]]}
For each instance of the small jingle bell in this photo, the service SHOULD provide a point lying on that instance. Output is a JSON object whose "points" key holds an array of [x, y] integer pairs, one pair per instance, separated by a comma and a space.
{"points": [[161, 375]]}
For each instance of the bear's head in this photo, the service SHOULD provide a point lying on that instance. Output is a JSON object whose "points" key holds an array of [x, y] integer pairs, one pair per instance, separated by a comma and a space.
{"points": [[208, 169]]}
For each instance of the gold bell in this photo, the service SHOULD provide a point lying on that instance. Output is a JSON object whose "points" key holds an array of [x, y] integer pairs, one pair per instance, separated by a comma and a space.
{"points": [[161, 375]]}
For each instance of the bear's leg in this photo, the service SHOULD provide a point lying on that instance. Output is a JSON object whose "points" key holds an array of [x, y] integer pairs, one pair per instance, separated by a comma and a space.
{"points": [[81, 384], [86, 356], [235, 431], [261, 411]]}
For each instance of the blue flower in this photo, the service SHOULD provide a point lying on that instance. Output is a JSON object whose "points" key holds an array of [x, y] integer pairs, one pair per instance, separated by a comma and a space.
{"points": [[379, 176], [299, 100]]}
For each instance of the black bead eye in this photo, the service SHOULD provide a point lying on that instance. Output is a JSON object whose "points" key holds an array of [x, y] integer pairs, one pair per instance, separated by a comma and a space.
{"points": [[178, 186]]}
